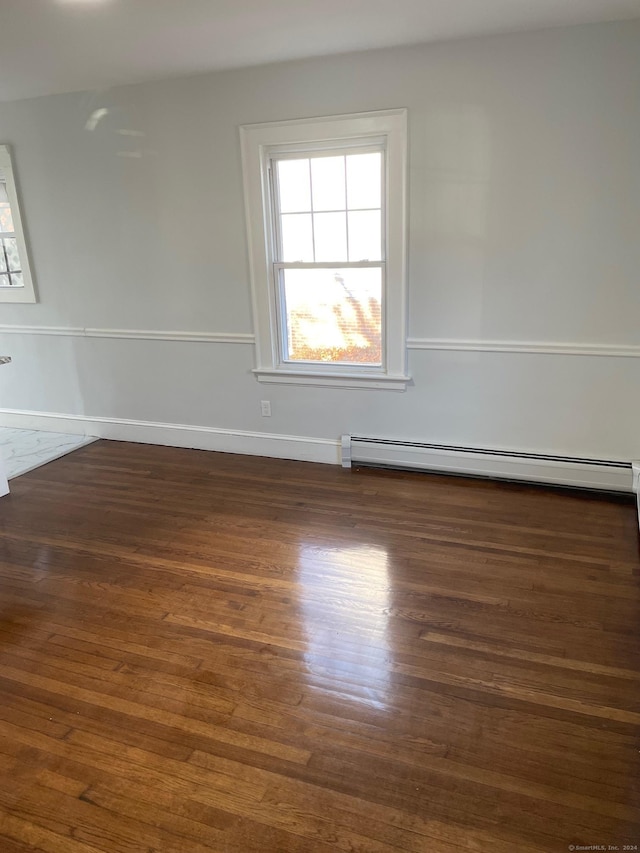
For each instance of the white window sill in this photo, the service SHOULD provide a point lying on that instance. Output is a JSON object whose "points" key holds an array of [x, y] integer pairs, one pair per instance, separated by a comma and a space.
{"points": [[332, 380], [16, 294]]}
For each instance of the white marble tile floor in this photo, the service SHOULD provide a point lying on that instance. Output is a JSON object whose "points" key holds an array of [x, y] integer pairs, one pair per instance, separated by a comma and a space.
{"points": [[25, 449]]}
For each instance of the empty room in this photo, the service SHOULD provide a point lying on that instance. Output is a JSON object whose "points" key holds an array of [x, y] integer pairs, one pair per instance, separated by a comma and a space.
{"points": [[319, 426]]}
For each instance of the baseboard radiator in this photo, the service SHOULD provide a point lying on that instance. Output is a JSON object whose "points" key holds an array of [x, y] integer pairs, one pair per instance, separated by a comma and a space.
{"points": [[602, 474]]}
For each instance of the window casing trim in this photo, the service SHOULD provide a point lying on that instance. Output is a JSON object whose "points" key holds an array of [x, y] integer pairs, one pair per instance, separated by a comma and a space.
{"points": [[263, 142]]}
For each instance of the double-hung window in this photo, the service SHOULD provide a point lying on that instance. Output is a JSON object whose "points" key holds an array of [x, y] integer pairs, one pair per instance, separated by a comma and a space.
{"points": [[16, 284], [326, 221]]}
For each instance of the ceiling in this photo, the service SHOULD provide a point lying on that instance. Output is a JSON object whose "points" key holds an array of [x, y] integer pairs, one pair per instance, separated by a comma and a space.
{"points": [[51, 46]]}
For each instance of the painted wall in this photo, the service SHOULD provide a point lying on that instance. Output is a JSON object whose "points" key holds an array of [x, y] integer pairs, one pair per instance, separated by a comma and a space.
{"points": [[524, 224]]}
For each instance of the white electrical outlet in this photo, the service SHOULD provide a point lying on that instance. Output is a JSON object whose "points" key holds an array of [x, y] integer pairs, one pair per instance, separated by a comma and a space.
{"points": [[265, 408]]}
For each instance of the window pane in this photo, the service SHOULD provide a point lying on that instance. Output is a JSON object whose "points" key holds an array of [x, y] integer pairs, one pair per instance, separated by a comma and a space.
{"points": [[328, 182], [364, 180], [334, 315], [294, 185], [4, 281], [365, 236], [6, 219], [3, 261], [330, 232], [11, 251], [17, 279], [297, 239]]}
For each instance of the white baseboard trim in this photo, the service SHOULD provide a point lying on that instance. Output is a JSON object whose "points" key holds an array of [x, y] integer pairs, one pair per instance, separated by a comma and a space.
{"points": [[558, 472], [179, 435], [576, 472]]}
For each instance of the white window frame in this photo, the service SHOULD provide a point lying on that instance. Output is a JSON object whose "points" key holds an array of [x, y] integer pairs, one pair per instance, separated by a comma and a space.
{"points": [[259, 142], [27, 292]]}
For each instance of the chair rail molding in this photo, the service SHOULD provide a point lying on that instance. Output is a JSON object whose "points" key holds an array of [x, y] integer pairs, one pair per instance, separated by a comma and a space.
{"points": [[135, 334], [533, 347], [413, 343]]}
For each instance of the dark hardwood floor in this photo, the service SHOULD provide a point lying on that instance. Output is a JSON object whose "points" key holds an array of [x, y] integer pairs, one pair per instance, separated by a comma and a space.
{"points": [[204, 652]]}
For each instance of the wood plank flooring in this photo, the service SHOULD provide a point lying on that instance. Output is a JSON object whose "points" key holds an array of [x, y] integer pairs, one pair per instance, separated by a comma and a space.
{"points": [[204, 652]]}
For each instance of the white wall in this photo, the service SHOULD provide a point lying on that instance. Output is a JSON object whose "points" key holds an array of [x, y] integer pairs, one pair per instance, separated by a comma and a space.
{"points": [[524, 223]]}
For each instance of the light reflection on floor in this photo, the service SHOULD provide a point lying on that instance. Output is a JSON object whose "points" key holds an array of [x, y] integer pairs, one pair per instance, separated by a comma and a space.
{"points": [[345, 608]]}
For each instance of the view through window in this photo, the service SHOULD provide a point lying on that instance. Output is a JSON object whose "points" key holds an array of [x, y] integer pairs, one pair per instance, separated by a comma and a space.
{"points": [[329, 256], [10, 267]]}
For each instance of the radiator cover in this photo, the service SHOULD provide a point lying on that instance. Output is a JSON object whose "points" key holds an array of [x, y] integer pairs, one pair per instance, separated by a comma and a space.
{"points": [[602, 474]]}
